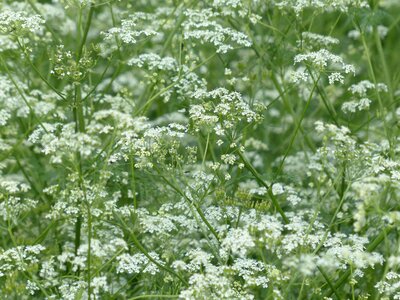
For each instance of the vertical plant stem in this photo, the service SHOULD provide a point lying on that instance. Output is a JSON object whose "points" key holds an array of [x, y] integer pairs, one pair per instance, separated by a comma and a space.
{"points": [[80, 128], [293, 138], [89, 251], [133, 182]]}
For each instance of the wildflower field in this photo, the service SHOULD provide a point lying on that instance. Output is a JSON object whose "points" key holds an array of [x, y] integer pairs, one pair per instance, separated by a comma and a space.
{"points": [[199, 149]]}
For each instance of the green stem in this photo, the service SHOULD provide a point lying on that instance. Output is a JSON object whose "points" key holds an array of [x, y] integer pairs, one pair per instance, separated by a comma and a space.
{"points": [[20, 92], [26, 55], [146, 106], [89, 279], [195, 205], [80, 127], [384, 63], [333, 288], [373, 77], [133, 182], [260, 181], [86, 31], [280, 168]]}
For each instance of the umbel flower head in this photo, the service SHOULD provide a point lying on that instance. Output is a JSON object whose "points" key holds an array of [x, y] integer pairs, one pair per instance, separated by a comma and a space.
{"points": [[12, 22]]}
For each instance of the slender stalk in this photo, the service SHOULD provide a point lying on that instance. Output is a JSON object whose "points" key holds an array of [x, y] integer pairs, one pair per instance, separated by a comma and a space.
{"points": [[293, 138], [133, 182], [26, 55], [260, 181], [205, 150], [384, 63], [148, 103], [80, 128], [333, 288], [195, 205], [89, 251], [373, 77], [21, 93], [85, 32]]}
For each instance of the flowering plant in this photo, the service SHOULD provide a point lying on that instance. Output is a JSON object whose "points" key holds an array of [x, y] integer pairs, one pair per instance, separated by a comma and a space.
{"points": [[224, 149]]}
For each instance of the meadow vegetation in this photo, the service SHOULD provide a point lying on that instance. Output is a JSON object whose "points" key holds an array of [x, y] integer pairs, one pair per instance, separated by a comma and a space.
{"points": [[219, 149]]}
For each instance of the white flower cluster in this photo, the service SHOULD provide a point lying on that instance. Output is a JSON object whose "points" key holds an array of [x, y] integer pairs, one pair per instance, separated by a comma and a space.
{"points": [[61, 141], [203, 26], [316, 40], [390, 286], [4, 116], [212, 285], [137, 263], [156, 224], [135, 159], [6, 44], [322, 58], [15, 103], [19, 22], [237, 9], [159, 145], [130, 31], [381, 30], [339, 148], [154, 62], [19, 258], [71, 289], [354, 106], [352, 254], [237, 242], [14, 202], [360, 93], [207, 286], [32, 287], [361, 89], [225, 111], [13, 207], [321, 62], [323, 5]]}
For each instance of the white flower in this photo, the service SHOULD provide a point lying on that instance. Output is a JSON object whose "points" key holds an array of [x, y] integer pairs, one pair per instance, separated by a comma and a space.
{"points": [[277, 189], [129, 31], [238, 241], [335, 77], [137, 263]]}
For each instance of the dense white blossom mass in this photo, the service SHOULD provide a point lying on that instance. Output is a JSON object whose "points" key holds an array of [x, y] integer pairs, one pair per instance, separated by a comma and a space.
{"points": [[199, 150]]}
